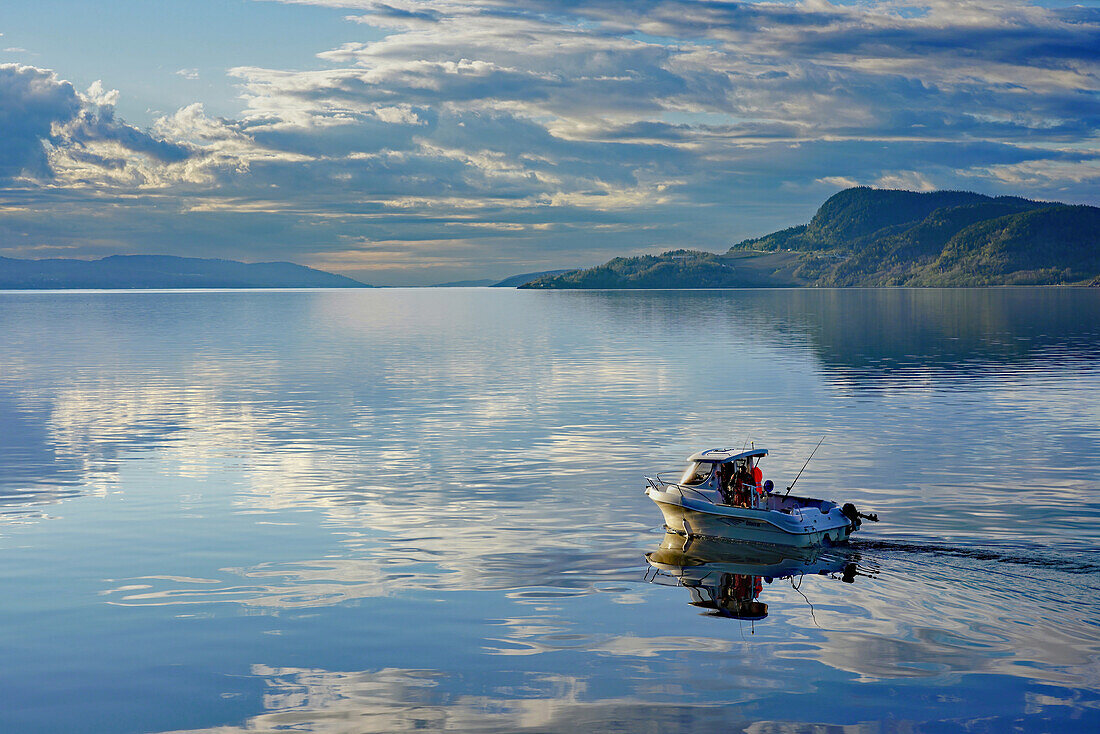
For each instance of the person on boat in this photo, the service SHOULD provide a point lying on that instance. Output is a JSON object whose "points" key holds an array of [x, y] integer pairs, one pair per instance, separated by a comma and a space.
{"points": [[758, 481], [740, 492], [746, 473], [743, 485], [725, 483]]}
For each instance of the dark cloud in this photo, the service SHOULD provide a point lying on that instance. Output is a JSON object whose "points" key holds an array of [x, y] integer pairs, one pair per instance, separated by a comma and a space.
{"points": [[100, 125], [389, 11], [32, 101]]}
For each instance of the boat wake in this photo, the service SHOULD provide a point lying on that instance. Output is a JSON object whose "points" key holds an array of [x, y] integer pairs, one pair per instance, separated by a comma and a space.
{"points": [[1045, 558]]}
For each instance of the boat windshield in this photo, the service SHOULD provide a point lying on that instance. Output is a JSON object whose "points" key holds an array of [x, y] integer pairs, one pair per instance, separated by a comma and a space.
{"points": [[697, 473]]}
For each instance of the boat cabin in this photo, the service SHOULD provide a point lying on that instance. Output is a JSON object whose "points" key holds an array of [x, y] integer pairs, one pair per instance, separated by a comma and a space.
{"points": [[736, 475]]}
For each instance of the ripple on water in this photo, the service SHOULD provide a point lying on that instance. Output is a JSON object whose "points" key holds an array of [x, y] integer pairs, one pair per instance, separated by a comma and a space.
{"points": [[395, 509]]}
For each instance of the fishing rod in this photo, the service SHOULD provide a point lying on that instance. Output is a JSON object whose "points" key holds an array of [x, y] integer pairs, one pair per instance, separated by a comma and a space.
{"points": [[796, 476]]}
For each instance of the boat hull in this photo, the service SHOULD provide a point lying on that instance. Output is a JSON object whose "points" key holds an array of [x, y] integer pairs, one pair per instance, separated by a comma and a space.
{"points": [[755, 526], [696, 557]]}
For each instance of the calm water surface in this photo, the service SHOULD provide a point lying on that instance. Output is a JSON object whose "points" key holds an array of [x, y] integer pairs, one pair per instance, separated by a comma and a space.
{"points": [[377, 511]]}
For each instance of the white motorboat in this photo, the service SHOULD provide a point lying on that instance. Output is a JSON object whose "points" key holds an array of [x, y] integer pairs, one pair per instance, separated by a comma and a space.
{"points": [[722, 494]]}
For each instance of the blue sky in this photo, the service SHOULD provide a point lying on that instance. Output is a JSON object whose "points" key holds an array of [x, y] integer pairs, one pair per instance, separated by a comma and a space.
{"points": [[408, 142]]}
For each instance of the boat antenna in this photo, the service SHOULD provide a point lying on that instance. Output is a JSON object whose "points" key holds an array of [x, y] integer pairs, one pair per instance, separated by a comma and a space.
{"points": [[796, 476]]}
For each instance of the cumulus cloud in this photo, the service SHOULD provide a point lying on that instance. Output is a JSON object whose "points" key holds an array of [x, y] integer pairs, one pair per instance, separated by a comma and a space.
{"points": [[32, 101], [908, 180], [44, 117]]}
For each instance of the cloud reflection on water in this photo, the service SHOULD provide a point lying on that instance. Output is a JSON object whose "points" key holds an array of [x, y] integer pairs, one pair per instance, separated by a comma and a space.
{"points": [[396, 700], [489, 444]]}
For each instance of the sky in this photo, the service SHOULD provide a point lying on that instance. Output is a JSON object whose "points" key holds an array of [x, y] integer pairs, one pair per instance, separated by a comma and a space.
{"points": [[411, 143]]}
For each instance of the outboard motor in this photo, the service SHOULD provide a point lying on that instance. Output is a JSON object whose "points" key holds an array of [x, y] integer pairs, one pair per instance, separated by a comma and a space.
{"points": [[849, 511]]}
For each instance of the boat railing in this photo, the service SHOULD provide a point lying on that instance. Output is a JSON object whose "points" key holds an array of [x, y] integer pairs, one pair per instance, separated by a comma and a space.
{"points": [[755, 501], [662, 486]]}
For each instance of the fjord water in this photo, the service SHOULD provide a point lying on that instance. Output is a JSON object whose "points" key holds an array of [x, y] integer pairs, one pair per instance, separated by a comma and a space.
{"points": [[385, 510]]}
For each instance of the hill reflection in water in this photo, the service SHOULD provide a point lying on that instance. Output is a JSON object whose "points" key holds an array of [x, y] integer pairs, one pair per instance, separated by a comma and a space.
{"points": [[389, 510], [866, 335]]}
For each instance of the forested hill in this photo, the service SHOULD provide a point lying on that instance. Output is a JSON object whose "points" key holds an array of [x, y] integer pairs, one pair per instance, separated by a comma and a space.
{"points": [[163, 271], [880, 237]]}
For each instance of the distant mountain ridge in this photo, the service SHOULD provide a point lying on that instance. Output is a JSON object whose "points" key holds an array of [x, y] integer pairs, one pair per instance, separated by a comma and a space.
{"points": [[162, 271], [884, 237], [479, 283], [512, 281], [515, 281]]}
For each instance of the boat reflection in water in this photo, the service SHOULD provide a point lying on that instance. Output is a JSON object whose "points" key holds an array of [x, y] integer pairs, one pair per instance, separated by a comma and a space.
{"points": [[726, 577]]}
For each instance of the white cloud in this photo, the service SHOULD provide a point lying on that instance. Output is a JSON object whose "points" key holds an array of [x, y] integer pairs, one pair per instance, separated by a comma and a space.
{"points": [[398, 115], [1042, 173], [837, 181], [908, 180]]}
